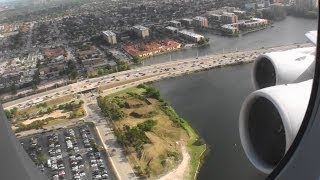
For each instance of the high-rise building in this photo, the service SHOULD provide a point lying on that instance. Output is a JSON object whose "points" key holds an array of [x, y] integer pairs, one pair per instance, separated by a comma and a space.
{"points": [[306, 5], [200, 21], [110, 37], [141, 31], [229, 18]]}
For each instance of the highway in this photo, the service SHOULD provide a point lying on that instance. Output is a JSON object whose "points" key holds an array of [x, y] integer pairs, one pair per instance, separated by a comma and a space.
{"points": [[116, 81]]}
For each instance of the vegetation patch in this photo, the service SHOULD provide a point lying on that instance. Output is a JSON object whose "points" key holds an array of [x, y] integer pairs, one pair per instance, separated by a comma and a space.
{"points": [[46, 112], [149, 131]]}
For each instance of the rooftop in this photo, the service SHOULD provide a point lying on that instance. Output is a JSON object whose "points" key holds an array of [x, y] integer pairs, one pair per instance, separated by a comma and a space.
{"points": [[141, 28], [199, 18], [172, 28], [153, 46], [53, 52], [228, 14], [229, 26], [190, 34], [187, 19], [175, 22], [108, 33]]}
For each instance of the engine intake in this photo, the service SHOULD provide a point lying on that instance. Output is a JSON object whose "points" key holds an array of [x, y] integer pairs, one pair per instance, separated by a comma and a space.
{"points": [[283, 67], [269, 121]]}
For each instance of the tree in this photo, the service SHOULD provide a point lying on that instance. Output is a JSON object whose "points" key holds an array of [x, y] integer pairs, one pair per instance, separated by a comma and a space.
{"points": [[36, 78], [152, 92], [203, 41], [147, 125], [71, 70], [8, 114], [123, 66], [137, 59], [14, 111], [13, 89]]}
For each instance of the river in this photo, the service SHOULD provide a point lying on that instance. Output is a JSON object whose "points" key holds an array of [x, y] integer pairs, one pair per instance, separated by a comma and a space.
{"points": [[210, 101], [289, 31]]}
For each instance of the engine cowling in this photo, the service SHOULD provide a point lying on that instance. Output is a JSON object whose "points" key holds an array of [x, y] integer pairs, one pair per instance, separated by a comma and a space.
{"points": [[283, 67], [269, 121]]}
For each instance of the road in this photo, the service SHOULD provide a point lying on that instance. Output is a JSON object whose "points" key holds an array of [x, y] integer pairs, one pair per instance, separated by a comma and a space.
{"points": [[117, 158], [142, 74]]}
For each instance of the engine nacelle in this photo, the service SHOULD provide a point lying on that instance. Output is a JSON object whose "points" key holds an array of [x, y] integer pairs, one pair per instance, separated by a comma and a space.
{"points": [[284, 67], [269, 121]]}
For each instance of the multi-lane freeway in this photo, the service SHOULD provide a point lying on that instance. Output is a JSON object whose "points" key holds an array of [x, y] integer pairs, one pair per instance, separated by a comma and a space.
{"points": [[124, 79]]}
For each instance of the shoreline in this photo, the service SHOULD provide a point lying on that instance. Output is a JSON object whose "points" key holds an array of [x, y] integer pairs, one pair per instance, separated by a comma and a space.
{"points": [[225, 59], [192, 149]]}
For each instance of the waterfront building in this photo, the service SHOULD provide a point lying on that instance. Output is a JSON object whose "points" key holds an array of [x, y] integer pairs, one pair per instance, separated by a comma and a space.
{"points": [[230, 29], [151, 48], [253, 23], [201, 22], [229, 18], [190, 35]]}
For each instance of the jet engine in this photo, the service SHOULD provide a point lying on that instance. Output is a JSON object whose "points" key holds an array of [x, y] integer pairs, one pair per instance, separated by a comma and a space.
{"points": [[269, 121], [284, 67]]}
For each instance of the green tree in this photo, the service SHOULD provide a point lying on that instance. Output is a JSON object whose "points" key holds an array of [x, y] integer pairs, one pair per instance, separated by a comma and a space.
{"points": [[36, 78], [147, 125], [137, 59], [8, 114], [123, 66]]}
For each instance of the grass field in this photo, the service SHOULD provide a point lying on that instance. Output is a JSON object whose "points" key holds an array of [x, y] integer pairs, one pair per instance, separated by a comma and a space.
{"points": [[52, 112], [163, 153], [50, 104]]}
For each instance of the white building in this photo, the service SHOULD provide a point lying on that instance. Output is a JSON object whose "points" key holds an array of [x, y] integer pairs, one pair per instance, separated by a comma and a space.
{"points": [[191, 36], [172, 29], [253, 23], [110, 37], [230, 28], [141, 31]]}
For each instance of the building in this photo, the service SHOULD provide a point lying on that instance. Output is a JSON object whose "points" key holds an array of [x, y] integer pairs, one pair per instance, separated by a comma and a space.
{"points": [[190, 35], [229, 18], [176, 24], [231, 29], [240, 13], [253, 23], [51, 53], [151, 48], [97, 63], [141, 31], [228, 9], [250, 6], [110, 37], [172, 30], [306, 5], [186, 22], [201, 22], [214, 17], [52, 69]]}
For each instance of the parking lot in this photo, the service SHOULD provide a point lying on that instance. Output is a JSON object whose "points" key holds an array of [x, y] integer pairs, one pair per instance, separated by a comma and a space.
{"points": [[71, 153]]}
